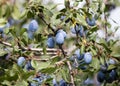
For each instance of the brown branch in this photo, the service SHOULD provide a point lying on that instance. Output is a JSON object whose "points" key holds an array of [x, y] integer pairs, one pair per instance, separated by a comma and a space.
{"points": [[71, 74], [48, 24], [105, 26], [52, 51]]}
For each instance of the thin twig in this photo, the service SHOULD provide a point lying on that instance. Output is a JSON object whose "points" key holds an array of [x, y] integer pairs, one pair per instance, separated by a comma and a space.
{"points": [[106, 33], [71, 74], [48, 24], [105, 26], [50, 51]]}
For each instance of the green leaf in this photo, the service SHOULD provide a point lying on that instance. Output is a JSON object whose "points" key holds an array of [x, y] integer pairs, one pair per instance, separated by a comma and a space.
{"points": [[67, 3], [82, 49], [2, 22], [22, 83], [54, 6], [93, 51], [94, 29], [55, 59], [110, 67], [27, 74], [34, 64], [65, 74], [105, 45], [48, 70], [116, 55], [76, 4], [22, 31], [30, 14]]}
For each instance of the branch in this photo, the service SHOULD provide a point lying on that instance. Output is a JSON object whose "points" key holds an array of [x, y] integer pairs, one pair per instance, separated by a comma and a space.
{"points": [[48, 24], [52, 51], [71, 74], [105, 26], [106, 33]]}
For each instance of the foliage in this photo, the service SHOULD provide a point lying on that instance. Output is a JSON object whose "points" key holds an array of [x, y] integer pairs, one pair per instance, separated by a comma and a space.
{"points": [[45, 37]]}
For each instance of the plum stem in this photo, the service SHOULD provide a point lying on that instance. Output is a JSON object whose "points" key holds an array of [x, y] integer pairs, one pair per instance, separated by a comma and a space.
{"points": [[48, 24]]}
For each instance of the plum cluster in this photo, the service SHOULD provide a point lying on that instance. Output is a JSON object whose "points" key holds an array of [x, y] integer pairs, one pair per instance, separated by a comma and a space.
{"points": [[39, 79], [81, 60], [58, 39], [107, 75], [61, 83], [23, 63], [78, 29]]}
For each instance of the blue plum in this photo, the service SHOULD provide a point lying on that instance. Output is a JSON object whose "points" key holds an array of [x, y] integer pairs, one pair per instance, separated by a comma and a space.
{"points": [[38, 81], [30, 34], [50, 42], [55, 82], [91, 22], [112, 76], [83, 67], [11, 21], [63, 32], [28, 66], [72, 58], [21, 61], [87, 58], [112, 61], [75, 29], [89, 81], [1, 30], [62, 18], [3, 35], [79, 56], [100, 76], [81, 32], [62, 83], [59, 38], [7, 25], [33, 26]]}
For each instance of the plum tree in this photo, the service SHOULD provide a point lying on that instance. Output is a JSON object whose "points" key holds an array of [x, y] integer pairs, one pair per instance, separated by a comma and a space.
{"points": [[64, 50]]}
